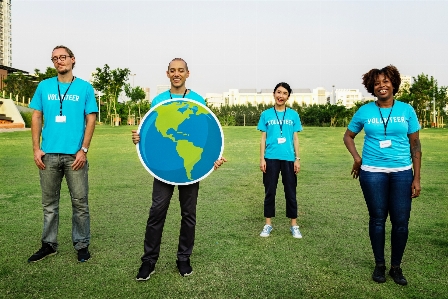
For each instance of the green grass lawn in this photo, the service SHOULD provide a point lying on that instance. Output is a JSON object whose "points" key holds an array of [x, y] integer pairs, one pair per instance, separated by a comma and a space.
{"points": [[230, 260]]}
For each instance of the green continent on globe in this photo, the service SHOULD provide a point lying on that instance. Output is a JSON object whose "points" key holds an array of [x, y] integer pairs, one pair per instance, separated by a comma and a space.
{"points": [[190, 154], [173, 115]]}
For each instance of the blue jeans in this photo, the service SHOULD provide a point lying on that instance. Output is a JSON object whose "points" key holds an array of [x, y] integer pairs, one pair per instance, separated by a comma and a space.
{"points": [[388, 193], [289, 180], [56, 167]]}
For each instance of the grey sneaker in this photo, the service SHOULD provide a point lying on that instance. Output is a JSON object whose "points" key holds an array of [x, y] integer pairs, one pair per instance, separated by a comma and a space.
{"points": [[43, 252], [266, 232], [296, 232], [145, 271]]}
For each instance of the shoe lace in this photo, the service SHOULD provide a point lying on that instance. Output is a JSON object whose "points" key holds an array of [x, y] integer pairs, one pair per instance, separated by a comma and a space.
{"points": [[295, 231], [266, 229]]}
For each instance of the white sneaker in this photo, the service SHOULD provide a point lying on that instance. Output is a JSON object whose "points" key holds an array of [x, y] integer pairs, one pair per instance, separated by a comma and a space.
{"points": [[296, 232], [266, 232]]}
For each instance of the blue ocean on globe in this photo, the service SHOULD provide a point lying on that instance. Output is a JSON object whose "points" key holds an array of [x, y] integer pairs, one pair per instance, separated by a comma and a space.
{"points": [[179, 141]]}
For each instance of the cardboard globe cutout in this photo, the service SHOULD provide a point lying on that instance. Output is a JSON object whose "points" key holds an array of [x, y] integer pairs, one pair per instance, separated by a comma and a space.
{"points": [[180, 139]]}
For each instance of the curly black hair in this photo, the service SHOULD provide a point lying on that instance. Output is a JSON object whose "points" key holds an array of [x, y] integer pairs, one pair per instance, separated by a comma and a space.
{"points": [[390, 71]]}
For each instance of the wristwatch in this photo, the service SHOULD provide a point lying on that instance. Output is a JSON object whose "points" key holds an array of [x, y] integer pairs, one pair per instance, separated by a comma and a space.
{"points": [[84, 149]]}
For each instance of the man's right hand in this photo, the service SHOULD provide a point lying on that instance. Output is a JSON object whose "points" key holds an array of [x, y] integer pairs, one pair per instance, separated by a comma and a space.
{"points": [[263, 165], [135, 137], [38, 154]]}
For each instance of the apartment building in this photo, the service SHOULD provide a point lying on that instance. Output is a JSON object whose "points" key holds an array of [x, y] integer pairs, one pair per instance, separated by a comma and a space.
{"points": [[301, 96], [5, 33]]}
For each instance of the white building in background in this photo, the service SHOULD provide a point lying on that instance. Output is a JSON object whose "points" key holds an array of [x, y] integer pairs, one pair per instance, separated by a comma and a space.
{"points": [[5, 33], [348, 97], [214, 99], [146, 90], [254, 97], [162, 88]]}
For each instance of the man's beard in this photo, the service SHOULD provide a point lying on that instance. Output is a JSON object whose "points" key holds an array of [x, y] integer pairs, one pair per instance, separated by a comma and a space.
{"points": [[63, 72]]}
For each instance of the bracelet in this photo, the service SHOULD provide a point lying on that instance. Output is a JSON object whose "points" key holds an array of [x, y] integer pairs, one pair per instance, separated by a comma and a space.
{"points": [[297, 158]]}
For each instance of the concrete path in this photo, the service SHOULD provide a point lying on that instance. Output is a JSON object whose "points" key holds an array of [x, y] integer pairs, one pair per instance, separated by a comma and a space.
{"points": [[14, 130]]}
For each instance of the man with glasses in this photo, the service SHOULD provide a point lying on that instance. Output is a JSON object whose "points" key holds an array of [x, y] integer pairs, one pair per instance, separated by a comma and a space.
{"points": [[69, 107]]}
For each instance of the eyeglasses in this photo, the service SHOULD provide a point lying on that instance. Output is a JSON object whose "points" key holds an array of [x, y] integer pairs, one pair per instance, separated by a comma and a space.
{"points": [[61, 58]]}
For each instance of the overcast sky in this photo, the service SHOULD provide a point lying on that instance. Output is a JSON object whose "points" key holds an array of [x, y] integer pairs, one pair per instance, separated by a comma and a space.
{"points": [[237, 44]]}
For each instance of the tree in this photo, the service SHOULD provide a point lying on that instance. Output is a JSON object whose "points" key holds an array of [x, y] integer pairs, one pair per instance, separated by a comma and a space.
{"points": [[110, 83], [338, 115], [22, 85], [421, 96], [49, 73], [19, 84], [136, 95], [404, 89]]}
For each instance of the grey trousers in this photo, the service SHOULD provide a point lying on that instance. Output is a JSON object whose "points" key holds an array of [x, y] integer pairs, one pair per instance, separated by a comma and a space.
{"points": [[161, 197]]}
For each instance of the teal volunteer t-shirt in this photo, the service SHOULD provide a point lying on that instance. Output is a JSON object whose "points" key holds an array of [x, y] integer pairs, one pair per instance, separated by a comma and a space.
{"points": [[166, 96], [64, 137], [270, 122], [402, 121]]}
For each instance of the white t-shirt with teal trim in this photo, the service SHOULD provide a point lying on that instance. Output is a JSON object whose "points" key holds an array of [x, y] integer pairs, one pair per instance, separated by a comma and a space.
{"points": [[402, 121], [270, 123], [64, 137]]}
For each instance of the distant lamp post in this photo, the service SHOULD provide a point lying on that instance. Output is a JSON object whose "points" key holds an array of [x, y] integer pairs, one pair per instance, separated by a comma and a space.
{"points": [[434, 105], [334, 100], [99, 106]]}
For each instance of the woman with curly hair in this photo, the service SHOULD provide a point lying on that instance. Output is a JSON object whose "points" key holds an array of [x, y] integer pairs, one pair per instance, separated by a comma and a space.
{"points": [[389, 170]]}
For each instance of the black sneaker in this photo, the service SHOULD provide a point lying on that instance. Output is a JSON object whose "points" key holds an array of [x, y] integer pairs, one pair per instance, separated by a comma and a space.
{"points": [[83, 254], [379, 274], [43, 252], [397, 274], [145, 271], [184, 268]]}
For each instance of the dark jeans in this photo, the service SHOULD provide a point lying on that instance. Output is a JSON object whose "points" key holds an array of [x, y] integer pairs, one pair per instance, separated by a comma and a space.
{"points": [[388, 193], [270, 180], [56, 167], [161, 197]]}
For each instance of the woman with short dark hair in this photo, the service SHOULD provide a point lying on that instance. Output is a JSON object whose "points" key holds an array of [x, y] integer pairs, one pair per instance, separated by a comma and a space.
{"points": [[279, 152]]}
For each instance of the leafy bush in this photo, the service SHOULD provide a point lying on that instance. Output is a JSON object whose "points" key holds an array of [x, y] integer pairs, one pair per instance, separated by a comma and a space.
{"points": [[312, 115], [27, 116]]}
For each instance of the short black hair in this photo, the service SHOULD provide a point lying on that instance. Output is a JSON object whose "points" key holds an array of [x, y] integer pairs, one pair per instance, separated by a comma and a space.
{"points": [[285, 86], [178, 59]]}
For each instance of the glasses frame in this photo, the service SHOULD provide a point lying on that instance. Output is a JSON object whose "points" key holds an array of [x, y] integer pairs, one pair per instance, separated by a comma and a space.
{"points": [[61, 58]]}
